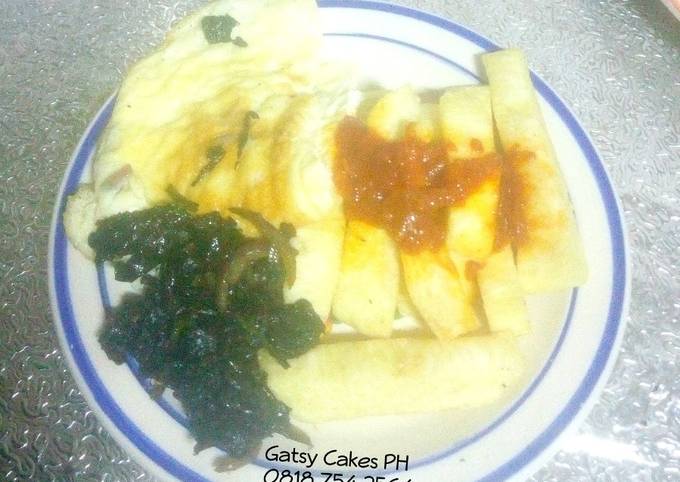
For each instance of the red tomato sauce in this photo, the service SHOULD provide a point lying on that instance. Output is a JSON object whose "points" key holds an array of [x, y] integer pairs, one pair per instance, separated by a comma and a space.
{"points": [[404, 186]]}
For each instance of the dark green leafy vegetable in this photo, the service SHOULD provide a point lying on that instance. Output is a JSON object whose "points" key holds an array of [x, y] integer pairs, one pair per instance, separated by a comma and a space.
{"points": [[186, 339], [218, 29]]}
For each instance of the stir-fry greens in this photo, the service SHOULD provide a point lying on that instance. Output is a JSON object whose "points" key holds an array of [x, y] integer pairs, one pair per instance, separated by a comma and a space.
{"points": [[211, 299]]}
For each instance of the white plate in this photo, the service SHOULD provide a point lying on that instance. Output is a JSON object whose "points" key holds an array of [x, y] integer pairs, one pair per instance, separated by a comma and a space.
{"points": [[571, 350]]}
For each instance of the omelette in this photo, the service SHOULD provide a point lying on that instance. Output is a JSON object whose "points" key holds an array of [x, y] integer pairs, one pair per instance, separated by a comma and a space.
{"points": [[241, 121], [237, 108]]}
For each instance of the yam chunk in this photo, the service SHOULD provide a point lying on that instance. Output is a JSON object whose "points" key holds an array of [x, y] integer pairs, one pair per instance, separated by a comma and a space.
{"points": [[393, 112], [502, 294], [319, 247], [366, 295], [467, 129], [466, 121], [394, 376], [437, 292], [551, 257]]}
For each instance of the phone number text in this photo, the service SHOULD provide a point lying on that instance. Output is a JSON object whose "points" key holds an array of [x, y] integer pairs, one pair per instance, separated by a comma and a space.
{"points": [[275, 475]]}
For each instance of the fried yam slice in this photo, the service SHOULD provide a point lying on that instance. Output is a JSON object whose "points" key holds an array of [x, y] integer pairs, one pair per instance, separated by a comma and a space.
{"points": [[436, 290], [550, 254], [366, 294], [467, 129], [394, 376], [319, 247], [502, 294]]}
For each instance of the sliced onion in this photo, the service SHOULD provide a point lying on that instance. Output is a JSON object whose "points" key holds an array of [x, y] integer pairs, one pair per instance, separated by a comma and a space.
{"points": [[279, 241]]}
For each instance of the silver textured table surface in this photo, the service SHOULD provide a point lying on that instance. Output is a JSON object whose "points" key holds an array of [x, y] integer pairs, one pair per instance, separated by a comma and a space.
{"points": [[616, 63]]}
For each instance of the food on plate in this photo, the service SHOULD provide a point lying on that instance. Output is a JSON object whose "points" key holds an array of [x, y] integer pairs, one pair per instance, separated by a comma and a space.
{"points": [[336, 381], [367, 291], [270, 207], [431, 276], [467, 124], [549, 252], [194, 95], [211, 299], [319, 247], [501, 293], [468, 130], [227, 124], [79, 218]]}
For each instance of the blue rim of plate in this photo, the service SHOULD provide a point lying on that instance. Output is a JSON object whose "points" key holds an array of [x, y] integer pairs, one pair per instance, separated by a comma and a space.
{"points": [[62, 298]]}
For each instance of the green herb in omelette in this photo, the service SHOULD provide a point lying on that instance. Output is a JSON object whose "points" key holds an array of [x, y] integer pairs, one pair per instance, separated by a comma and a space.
{"points": [[219, 28], [214, 154], [211, 300], [245, 130]]}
